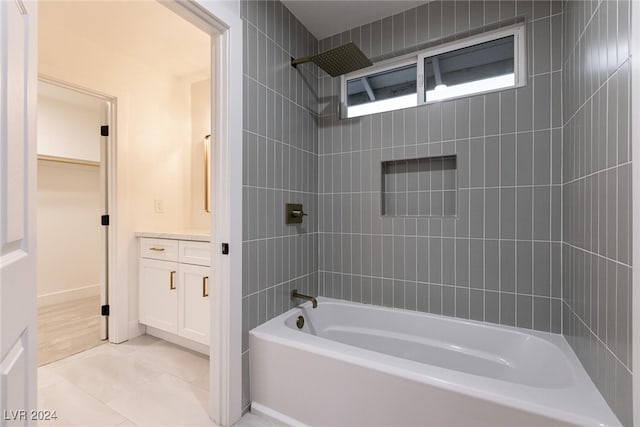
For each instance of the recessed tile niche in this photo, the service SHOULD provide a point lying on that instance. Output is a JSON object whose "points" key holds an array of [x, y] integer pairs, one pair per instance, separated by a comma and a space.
{"points": [[420, 187]]}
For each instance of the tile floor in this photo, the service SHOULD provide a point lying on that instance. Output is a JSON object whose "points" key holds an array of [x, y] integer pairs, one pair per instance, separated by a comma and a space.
{"points": [[145, 382]]}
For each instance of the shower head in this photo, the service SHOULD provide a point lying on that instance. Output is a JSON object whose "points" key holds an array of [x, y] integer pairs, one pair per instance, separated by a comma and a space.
{"points": [[337, 61]]}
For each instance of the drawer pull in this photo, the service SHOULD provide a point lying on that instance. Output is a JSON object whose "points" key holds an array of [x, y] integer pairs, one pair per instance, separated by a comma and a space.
{"points": [[157, 249], [205, 282], [172, 277]]}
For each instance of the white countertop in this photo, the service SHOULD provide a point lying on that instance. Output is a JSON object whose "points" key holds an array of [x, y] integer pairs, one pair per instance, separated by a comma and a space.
{"points": [[187, 234]]}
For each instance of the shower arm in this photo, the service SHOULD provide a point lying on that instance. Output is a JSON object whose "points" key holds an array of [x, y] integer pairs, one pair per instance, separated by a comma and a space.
{"points": [[302, 60]]}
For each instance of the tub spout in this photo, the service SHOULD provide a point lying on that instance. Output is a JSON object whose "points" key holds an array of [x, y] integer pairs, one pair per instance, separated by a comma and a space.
{"points": [[296, 294]]}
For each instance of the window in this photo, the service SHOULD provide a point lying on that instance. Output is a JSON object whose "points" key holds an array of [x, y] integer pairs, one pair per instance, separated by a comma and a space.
{"points": [[483, 63], [385, 90]]}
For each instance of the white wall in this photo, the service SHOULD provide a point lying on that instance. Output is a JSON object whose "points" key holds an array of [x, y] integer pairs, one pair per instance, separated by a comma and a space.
{"points": [[57, 120], [152, 133], [200, 126], [68, 231]]}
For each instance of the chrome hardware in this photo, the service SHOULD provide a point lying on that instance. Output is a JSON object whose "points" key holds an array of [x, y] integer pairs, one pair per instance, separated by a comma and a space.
{"points": [[295, 294]]}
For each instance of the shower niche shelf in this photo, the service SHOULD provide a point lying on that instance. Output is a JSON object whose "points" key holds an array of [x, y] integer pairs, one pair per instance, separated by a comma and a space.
{"points": [[420, 187]]}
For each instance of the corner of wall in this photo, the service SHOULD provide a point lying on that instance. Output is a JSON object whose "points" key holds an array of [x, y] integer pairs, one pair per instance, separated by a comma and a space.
{"points": [[635, 156]]}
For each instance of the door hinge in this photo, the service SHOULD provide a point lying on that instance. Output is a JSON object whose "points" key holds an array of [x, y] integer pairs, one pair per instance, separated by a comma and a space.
{"points": [[104, 130], [225, 249], [104, 310], [104, 220]]}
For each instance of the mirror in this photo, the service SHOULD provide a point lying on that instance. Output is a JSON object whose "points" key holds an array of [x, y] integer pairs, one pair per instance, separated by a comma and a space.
{"points": [[207, 172]]}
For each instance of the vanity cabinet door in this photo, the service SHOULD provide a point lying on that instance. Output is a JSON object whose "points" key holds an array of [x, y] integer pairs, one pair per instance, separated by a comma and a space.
{"points": [[158, 293], [193, 303]]}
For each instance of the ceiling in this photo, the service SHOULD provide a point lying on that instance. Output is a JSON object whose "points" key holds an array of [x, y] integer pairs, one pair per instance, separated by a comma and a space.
{"points": [[325, 18], [145, 30]]}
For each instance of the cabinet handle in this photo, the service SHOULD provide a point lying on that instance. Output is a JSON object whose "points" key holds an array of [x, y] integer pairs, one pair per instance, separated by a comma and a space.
{"points": [[205, 282], [157, 249], [172, 277]]}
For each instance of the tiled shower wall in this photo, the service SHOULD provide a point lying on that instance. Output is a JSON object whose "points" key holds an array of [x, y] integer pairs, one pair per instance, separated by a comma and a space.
{"points": [[597, 195], [499, 258], [280, 165]]}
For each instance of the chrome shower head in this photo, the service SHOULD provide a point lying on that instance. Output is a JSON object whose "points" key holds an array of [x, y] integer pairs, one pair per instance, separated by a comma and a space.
{"points": [[337, 61]]}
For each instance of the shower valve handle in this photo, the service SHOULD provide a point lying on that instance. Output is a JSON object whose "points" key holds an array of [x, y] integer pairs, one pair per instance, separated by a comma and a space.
{"points": [[298, 213]]}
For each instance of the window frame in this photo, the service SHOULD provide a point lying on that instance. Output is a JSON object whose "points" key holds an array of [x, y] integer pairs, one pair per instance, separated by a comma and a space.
{"points": [[518, 31]]}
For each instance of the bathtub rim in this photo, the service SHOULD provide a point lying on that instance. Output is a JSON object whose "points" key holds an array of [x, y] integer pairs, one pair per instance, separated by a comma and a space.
{"points": [[476, 386]]}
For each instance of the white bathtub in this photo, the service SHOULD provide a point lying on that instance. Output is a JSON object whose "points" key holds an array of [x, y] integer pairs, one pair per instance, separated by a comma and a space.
{"points": [[360, 365]]}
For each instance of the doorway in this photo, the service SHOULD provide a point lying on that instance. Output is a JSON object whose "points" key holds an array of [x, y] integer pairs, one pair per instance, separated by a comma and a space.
{"points": [[19, 282], [72, 196], [158, 67]]}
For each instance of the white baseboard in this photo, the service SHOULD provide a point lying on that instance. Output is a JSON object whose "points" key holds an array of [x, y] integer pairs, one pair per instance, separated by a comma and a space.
{"points": [[68, 295], [278, 418], [177, 340], [136, 329]]}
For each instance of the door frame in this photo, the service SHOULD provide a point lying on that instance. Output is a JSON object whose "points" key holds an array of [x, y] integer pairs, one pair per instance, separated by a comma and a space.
{"points": [[635, 200], [221, 19], [110, 195]]}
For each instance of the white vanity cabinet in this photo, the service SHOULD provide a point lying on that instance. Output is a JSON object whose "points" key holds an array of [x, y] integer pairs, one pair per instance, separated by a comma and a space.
{"points": [[174, 287]]}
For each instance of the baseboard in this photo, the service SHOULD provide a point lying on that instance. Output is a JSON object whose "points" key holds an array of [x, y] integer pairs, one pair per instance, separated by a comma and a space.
{"points": [[136, 329], [177, 340], [68, 295], [278, 418]]}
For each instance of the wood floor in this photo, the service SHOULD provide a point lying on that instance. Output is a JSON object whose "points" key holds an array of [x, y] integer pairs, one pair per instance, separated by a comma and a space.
{"points": [[68, 328]]}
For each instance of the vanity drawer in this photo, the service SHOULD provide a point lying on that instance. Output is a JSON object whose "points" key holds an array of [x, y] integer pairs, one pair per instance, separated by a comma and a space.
{"points": [[162, 249], [198, 253]]}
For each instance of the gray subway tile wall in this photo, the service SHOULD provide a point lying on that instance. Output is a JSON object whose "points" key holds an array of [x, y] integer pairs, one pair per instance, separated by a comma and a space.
{"points": [[280, 165], [497, 259], [597, 193]]}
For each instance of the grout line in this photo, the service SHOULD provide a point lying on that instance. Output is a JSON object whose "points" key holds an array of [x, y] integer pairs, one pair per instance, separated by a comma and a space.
{"points": [[533, 166], [515, 213], [581, 35], [290, 146], [469, 204], [595, 91], [598, 255], [484, 200], [272, 287], [610, 350], [422, 283]]}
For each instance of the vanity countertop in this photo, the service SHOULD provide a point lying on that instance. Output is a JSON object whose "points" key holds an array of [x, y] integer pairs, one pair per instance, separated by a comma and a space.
{"points": [[189, 234]]}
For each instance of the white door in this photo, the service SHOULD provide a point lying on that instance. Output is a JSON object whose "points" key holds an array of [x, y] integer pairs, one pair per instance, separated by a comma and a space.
{"points": [[18, 98]]}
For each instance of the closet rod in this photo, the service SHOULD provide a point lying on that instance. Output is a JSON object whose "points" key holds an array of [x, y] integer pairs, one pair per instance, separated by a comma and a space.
{"points": [[67, 160]]}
